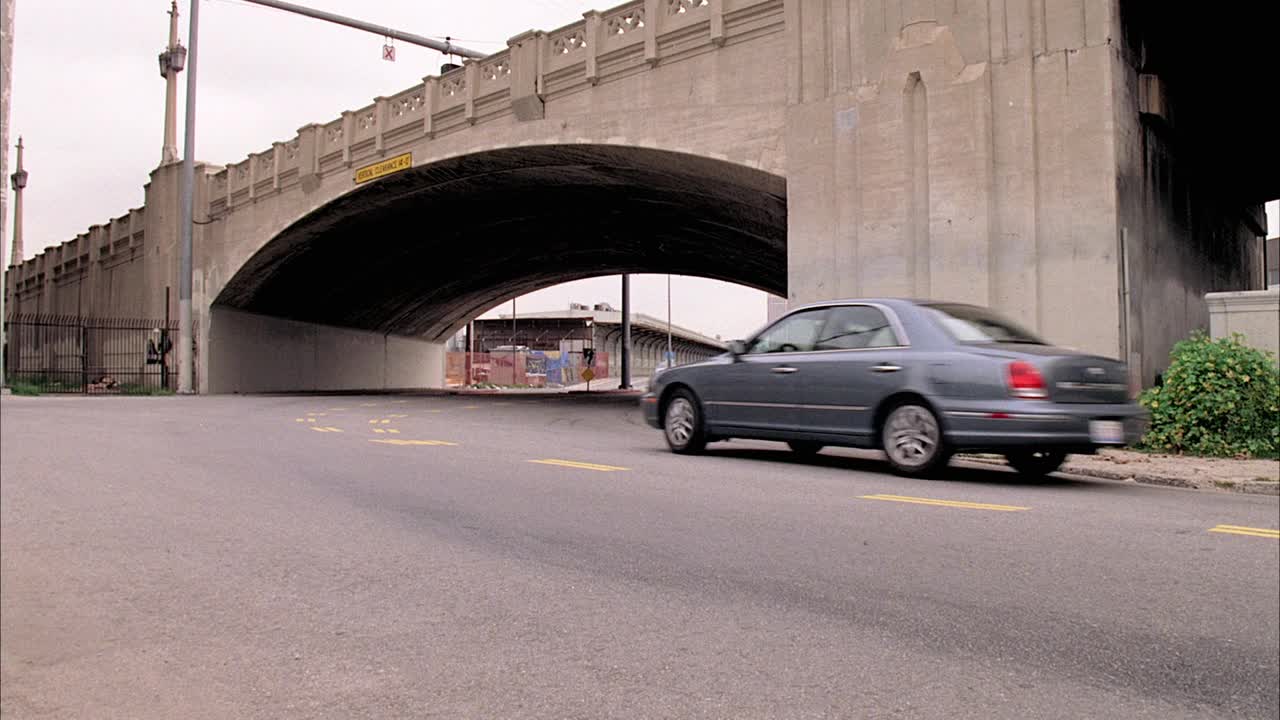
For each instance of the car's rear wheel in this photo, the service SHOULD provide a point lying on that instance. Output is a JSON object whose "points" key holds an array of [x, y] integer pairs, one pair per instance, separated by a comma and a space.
{"points": [[682, 424], [805, 448], [1036, 464], [912, 439]]}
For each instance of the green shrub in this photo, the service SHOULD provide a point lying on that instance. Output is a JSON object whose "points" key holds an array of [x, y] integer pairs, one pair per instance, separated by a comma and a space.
{"points": [[1219, 398]]}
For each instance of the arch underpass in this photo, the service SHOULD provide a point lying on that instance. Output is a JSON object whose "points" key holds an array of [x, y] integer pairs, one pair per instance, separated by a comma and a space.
{"points": [[411, 258]]}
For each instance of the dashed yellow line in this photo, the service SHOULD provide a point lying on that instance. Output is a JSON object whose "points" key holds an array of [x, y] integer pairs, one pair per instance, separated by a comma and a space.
{"points": [[470, 407], [945, 503], [399, 441], [1249, 531], [579, 465], [327, 429]]}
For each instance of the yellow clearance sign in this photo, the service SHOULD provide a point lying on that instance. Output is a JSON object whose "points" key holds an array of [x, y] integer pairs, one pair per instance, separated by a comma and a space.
{"points": [[384, 168]]}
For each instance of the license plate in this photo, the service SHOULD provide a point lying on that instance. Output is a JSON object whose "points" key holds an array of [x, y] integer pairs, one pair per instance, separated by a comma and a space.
{"points": [[1106, 432]]}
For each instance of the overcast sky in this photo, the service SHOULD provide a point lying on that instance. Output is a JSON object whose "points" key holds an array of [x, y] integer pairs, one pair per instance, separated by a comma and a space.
{"points": [[89, 101]]}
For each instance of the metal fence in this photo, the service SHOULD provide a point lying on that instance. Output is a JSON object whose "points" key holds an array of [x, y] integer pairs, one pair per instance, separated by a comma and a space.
{"points": [[59, 353], [529, 368]]}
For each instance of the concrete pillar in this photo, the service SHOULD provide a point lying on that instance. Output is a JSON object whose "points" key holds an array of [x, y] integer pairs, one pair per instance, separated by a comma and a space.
{"points": [[932, 153]]}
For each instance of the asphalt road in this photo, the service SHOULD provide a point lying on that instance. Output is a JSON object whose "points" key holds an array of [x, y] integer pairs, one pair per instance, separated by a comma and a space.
{"points": [[279, 557]]}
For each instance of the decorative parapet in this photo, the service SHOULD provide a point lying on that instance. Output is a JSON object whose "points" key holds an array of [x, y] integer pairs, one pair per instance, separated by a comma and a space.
{"points": [[514, 82]]}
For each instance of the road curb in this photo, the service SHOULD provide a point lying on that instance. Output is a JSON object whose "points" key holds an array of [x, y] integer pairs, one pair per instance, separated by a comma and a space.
{"points": [[1248, 486]]}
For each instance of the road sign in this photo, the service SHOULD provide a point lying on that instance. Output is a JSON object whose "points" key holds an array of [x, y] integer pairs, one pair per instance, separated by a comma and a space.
{"points": [[389, 52], [588, 374], [385, 167]]}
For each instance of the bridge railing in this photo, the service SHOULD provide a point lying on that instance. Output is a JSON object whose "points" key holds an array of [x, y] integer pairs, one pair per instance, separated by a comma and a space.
{"points": [[537, 66]]}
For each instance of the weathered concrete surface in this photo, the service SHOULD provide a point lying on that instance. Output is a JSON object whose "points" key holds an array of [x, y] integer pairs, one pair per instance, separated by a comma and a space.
{"points": [[1254, 314], [1024, 156], [256, 353]]}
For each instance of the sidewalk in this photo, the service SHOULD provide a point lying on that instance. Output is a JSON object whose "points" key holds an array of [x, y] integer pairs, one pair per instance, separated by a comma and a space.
{"points": [[1248, 476]]}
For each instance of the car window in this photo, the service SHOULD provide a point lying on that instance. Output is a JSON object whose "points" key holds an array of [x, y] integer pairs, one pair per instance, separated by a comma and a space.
{"points": [[856, 327], [972, 324], [794, 333]]}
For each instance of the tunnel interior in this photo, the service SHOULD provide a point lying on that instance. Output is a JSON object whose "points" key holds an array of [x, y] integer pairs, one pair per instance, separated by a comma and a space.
{"points": [[422, 252]]}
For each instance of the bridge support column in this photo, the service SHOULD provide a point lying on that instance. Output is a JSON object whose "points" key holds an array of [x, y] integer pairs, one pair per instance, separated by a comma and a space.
{"points": [[939, 151]]}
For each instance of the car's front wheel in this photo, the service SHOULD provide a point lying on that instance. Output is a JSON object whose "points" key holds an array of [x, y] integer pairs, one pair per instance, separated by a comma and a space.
{"points": [[682, 424], [912, 440], [1036, 464]]}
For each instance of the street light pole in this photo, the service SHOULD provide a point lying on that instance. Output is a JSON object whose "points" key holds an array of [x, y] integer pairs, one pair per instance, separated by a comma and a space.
{"points": [[626, 333], [669, 320], [186, 371], [445, 47]]}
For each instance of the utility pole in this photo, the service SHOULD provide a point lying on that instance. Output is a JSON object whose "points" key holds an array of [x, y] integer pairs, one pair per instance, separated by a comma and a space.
{"points": [[626, 333], [186, 370], [669, 363], [186, 339]]}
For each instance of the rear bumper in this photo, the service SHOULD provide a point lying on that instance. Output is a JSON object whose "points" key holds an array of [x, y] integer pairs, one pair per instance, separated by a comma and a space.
{"points": [[649, 409], [1037, 425]]}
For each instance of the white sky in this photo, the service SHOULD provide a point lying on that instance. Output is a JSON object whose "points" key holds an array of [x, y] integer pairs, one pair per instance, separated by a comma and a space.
{"points": [[88, 100]]}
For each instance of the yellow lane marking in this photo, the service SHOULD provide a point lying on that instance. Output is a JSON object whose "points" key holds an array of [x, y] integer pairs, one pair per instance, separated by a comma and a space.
{"points": [[470, 407], [315, 414], [393, 431], [336, 409], [326, 429], [398, 441], [579, 465], [945, 503], [397, 416], [368, 404], [1250, 531], [379, 430]]}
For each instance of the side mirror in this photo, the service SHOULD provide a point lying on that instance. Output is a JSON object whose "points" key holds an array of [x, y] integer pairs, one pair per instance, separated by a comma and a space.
{"points": [[737, 347]]}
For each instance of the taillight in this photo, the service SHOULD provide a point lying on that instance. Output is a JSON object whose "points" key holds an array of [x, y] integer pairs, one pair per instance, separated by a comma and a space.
{"points": [[1025, 381]]}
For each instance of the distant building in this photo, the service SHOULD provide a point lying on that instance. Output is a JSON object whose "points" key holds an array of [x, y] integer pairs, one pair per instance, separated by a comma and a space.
{"points": [[559, 339]]}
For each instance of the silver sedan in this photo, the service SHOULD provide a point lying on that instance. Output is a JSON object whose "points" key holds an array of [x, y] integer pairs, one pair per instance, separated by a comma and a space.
{"points": [[918, 380]]}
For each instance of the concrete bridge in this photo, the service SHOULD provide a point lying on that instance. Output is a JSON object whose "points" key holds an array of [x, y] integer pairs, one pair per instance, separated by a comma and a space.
{"points": [[1012, 153]]}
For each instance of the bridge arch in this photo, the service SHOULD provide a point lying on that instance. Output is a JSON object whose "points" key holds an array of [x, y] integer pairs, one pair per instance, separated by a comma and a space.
{"points": [[419, 253]]}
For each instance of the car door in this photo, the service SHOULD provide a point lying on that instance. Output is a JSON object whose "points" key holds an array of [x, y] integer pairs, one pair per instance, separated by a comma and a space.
{"points": [[761, 389], [861, 357]]}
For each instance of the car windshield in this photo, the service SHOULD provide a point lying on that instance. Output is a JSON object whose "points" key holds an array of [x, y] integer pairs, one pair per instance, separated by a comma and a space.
{"points": [[971, 324]]}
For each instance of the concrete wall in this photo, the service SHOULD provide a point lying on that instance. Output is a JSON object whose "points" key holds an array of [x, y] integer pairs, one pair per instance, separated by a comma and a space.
{"points": [[961, 151], [1253, 314], [253, 354]]}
